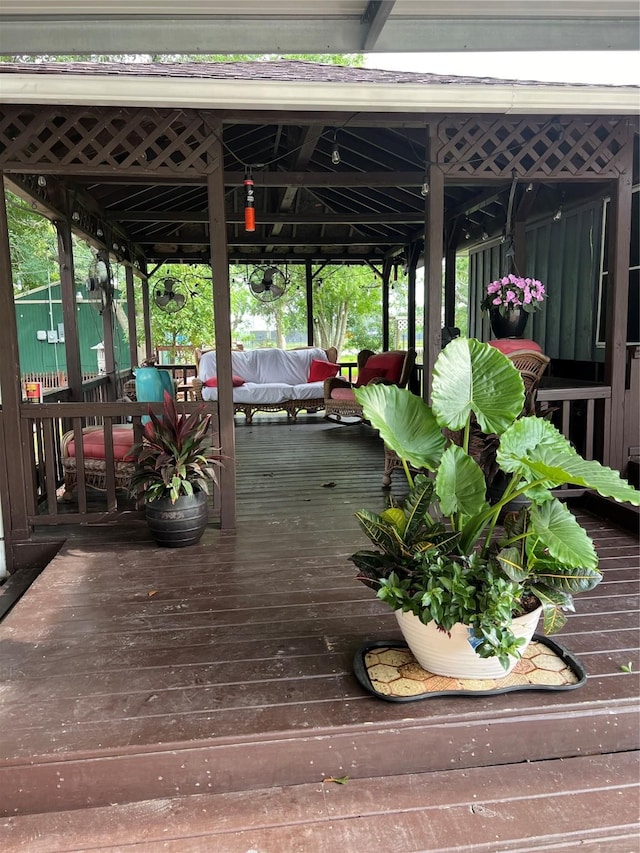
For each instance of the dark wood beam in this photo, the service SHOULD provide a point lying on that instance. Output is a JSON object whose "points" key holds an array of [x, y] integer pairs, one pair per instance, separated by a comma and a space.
{"points": [[69, 312], [131, 317], [222, 321], [373, 19], [16, 524], [433, 241], [617, 312], [266, 218]]}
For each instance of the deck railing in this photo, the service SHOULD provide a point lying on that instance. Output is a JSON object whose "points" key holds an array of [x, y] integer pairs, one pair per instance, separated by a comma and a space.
{"points": [[582, 413]]}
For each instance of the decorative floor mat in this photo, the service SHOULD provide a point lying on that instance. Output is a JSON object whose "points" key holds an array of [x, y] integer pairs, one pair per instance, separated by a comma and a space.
{"points": [[389, 671]]}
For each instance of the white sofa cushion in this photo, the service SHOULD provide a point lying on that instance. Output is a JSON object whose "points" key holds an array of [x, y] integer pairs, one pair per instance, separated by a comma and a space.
{"points": [[271, 375]]}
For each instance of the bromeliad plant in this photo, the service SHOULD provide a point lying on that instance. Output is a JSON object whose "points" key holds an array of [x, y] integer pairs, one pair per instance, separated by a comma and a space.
{"points": [[441, 555], [171, 459]]}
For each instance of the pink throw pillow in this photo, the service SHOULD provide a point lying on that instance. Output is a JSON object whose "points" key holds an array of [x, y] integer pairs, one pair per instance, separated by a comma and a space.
{"points": [[236, 381], [321, 370]]}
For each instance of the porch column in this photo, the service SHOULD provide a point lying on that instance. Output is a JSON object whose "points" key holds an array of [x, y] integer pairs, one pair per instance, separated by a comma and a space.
{"points": [[15, 523], [222, 323], [386, 275], [433, 248], [69, 309], [413, 256], [107, 337], [308, 278], [617, 311], [450, 276], [146, 317], [131, 317]]}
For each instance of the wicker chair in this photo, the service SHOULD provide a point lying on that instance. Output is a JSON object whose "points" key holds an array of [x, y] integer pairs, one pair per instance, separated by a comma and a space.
{"points": [[339, 398], [531, 364]]}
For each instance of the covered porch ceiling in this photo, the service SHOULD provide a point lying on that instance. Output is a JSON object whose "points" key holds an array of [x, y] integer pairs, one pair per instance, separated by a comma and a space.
{"points": [[317, 26]]}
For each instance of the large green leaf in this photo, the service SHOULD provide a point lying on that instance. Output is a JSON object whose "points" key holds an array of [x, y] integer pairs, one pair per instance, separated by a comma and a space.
{"points": [[381, 532], [470, 376], [534, 447], [405, 422], [460, 483], [416, 505], [561, 535]]}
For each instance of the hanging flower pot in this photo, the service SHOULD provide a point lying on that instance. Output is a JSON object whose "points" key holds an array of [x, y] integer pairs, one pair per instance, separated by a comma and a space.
{"points": [[509, 301], [509, 325]]}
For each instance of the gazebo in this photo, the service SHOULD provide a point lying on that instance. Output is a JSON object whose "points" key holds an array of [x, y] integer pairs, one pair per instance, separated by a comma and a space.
{"points": [[149, 163]]}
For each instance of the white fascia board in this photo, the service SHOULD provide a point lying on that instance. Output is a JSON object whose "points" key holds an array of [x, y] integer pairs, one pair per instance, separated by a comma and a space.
{"points": [[360, 97]]}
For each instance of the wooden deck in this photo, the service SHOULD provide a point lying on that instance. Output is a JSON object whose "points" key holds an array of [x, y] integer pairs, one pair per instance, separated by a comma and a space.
{"points": [[209, 691]]}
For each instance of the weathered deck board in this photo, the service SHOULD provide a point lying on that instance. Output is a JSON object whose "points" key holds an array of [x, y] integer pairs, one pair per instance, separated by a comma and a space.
{"points": [[570, 804], [130, 671]]}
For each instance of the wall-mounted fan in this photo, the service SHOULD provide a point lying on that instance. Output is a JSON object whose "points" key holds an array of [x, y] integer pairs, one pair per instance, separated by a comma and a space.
{"points": [[99, 274], [267, 283], [169, 295]]}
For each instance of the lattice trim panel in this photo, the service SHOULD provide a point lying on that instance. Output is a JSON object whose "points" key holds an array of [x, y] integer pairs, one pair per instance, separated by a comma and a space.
{"points": [[104, 139], [549, 148]]}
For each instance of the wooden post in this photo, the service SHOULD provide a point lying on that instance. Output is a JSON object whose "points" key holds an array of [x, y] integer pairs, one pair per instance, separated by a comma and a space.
{"points": [[433, 244], [146, 318], [413, 255], [308, 275], [131, 317], [450, 276], [222, 322], [617, 311], [386, 275], [69, 309], [107, 338], [16, 522]]}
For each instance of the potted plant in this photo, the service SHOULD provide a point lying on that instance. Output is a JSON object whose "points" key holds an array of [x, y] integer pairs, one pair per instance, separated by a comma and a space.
{"points": [[509, 301], [441, 561], [172, 473]]}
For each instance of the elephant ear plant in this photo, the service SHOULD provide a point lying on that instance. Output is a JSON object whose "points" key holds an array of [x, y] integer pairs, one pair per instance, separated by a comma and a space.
{"points": [[441, 555]]}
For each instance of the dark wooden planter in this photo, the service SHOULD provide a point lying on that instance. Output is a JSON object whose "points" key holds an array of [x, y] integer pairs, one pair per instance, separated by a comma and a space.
{"points": [[510, 326], [179, 524]]}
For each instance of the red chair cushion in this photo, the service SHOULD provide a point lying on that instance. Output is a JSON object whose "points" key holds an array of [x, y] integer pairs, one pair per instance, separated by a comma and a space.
{"points": [[93, 444], [383, 365], [366, 374], [236, 381], [509, 345], [321, 370]]}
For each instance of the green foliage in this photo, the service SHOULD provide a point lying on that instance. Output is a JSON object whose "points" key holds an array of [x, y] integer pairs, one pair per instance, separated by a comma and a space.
{"points": [[171, 460], [472, 571]]}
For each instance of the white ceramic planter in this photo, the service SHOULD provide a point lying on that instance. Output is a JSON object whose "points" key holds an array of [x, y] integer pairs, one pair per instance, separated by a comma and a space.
{"points": [[454, 655]]}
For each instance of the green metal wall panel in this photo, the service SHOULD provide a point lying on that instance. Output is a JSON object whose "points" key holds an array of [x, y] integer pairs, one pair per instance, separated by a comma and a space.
{"points": [[565, 256], [40, 310]]}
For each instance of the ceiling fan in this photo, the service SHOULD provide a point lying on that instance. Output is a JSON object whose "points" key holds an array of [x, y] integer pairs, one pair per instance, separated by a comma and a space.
{"points": [[267, 283], [168, 296]]}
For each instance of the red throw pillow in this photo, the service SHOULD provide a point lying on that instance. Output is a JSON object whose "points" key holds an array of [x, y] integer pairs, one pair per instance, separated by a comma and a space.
{"points": [[390, 363], [321, 370], [236, 381], [366, 374]]}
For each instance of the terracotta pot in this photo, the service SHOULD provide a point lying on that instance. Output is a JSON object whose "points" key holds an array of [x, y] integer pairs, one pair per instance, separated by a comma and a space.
{"points": [[454, 654], [510, 326]]}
